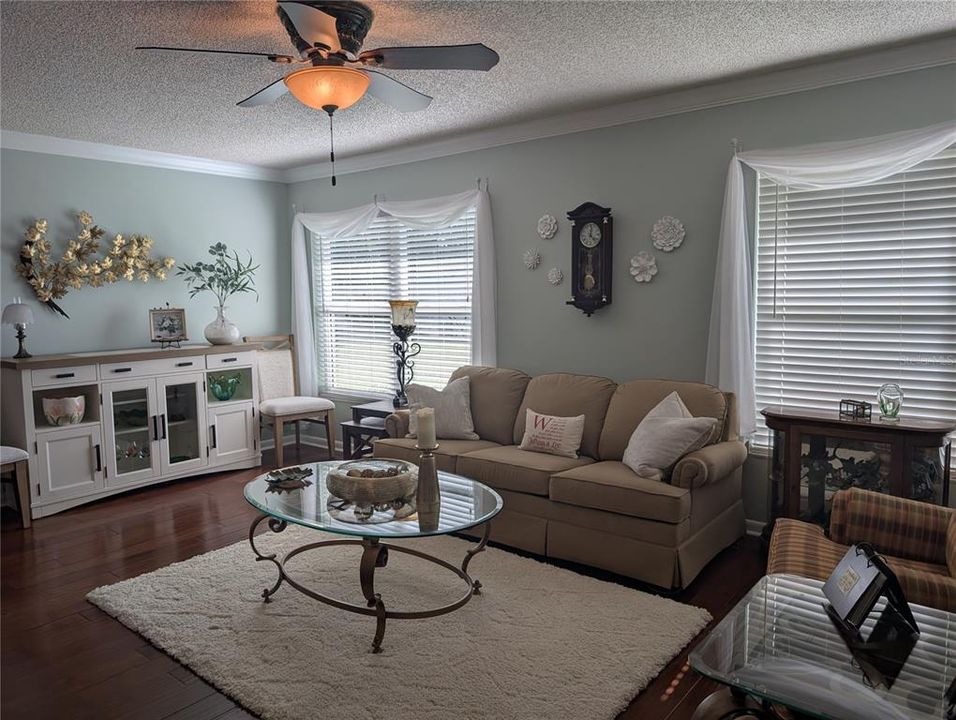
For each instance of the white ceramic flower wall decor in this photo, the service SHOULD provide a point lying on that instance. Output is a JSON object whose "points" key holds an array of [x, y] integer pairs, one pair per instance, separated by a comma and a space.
{"points": [[532, 258], [547, 227], [555, 276], [667, 233], [643, 267]]}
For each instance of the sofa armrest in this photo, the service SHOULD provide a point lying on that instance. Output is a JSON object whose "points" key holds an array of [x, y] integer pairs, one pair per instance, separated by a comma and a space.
{"points": [[709, 464], [894, 526], [396, 424]]}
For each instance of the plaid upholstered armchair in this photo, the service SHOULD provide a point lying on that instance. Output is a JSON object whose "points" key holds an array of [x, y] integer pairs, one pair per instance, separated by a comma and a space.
{"points": [[917, 539]]}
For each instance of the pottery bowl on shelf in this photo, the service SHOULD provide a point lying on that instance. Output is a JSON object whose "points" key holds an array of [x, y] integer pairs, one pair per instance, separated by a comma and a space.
{"points": [[64, 411], [373, 482], [223, 387]]}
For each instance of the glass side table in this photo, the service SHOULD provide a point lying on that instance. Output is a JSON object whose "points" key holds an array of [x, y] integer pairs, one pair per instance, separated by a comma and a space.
{"points": [[779, 647]]}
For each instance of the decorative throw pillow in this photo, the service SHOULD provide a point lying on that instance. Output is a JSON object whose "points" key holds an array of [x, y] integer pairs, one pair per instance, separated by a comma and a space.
{"points": [[452, 409], [664, 436], [551, 434]]}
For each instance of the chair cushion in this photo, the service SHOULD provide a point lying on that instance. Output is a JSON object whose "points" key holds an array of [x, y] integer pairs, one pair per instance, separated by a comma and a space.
{"points": [[631, 401], [446, 456], [568, 395], [10, 454], [276, 376], [294, 405], [511, 468], [612, 486], [495, 396]]}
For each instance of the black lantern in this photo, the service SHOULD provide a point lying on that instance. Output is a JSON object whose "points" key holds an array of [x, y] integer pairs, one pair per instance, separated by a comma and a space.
{"points": [[403, 325]]}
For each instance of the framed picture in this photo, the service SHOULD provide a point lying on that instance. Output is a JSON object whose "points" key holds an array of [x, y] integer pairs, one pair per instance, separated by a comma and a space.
{"points": [[167, 325]]}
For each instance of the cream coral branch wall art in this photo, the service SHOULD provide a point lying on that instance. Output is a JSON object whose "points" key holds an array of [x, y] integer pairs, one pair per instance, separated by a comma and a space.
{"points": [[125, 258]]}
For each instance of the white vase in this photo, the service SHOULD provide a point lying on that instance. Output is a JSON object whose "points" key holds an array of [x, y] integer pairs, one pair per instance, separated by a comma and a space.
{"points": [[221, 331]]}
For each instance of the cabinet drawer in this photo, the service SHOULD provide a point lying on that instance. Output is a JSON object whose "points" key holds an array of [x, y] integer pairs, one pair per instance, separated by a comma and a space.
{"points": [[159, 366], [227, 360], [64, 375]]}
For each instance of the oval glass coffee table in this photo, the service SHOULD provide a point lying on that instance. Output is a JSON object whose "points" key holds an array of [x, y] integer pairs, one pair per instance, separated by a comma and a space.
{"points": [[461, 504]]}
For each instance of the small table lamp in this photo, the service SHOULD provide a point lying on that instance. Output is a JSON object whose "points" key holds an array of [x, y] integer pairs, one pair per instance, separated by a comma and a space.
{"points": [[20, 315]]}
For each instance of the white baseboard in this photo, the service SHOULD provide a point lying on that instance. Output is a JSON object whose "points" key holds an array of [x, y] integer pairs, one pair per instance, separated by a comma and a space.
{"points": [[755, 527], [318, 441]]}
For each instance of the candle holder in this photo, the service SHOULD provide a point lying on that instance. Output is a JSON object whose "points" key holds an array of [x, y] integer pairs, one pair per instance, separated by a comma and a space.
{"points": [[404, 365], [428, 496]]}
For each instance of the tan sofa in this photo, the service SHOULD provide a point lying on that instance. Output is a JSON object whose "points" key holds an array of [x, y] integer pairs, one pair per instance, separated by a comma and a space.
{"points": [[594, 509]]}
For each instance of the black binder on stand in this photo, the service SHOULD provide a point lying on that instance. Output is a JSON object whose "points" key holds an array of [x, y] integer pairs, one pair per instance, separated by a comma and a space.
{"points": [[853, 589]]}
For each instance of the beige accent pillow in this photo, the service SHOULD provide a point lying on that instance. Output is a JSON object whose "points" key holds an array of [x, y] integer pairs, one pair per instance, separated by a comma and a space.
{"points": [[664, 436], [552, 434], [452, 409]]}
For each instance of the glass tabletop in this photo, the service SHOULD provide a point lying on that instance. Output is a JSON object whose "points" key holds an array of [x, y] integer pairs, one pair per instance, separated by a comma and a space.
{"points": [[779, 644], [463, 503]]}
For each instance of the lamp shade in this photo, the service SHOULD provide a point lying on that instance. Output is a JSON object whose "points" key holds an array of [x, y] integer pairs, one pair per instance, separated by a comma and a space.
{"points": [[319, 87], [17, 313], [403, 312]]}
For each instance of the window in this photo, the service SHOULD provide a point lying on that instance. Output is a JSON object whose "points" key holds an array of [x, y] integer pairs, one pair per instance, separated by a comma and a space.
{"points": [[857, 287], [355, 277]]}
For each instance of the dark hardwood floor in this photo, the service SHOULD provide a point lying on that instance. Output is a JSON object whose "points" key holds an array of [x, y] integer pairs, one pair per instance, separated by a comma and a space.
{"points": [[61, 657]]}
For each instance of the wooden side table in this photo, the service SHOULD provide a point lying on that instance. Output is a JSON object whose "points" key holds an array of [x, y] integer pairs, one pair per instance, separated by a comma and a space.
{"points": [[367, 424], [802, 483]]}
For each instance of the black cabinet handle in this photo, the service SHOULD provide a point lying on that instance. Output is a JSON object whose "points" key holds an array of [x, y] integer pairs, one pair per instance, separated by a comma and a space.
{"points": [[60, 376], [212, 428], [225, 360], [99, 460], [121, 370], [163, 421], [155, 421], [184, 364]]}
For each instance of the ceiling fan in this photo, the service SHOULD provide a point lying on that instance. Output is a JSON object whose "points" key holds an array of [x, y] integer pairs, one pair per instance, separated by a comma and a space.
{"points": [[328, 36]]}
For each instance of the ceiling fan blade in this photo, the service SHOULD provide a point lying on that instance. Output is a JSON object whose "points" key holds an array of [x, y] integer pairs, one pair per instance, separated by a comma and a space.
{"points": [[270, 93], [274, 57], [313, 25], [391, 92], [435, 57]]}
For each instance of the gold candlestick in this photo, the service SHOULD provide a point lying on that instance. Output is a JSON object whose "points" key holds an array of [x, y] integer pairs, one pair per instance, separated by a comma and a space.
{"points": [[428, 496]]}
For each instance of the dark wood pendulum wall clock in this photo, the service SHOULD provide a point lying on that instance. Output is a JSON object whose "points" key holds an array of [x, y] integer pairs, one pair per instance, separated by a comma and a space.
{"points": [[591, 261]]}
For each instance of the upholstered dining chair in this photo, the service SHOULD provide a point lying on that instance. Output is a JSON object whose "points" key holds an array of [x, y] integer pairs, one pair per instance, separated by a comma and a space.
{"points": [[15, 461], [279, 397]]}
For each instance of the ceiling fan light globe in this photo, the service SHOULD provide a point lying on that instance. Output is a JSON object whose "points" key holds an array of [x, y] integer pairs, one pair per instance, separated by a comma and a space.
{"points": [[319, 87]]}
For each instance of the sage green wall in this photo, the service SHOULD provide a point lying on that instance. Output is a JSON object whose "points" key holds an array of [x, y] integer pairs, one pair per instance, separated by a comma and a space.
{"points": [[184, 212], [667, 166]]}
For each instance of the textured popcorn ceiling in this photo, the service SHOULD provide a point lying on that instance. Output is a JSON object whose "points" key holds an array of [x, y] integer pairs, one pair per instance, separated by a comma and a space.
{"points": [[69, 69]]}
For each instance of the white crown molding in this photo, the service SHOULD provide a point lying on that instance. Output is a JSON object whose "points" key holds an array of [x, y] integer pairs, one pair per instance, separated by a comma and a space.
{"points": [[12, 140], [917, 56]]}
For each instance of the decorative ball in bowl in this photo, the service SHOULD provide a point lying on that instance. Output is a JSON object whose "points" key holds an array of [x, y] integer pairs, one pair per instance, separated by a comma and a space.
{"points": [[64, 411], [223, 387]]}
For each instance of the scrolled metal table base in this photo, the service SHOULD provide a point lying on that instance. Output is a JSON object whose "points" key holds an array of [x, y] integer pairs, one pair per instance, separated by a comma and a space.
{"points": [[374, 555]]}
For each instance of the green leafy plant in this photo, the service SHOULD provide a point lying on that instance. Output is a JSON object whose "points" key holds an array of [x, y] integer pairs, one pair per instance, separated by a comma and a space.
{"points": [[224, 277]]}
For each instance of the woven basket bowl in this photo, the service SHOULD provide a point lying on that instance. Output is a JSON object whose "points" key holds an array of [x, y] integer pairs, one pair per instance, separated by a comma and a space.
{"points": [[372, 490]]}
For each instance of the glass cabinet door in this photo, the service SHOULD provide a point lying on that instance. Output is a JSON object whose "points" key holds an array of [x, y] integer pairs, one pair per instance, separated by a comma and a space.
{"points": [[182, 422], [129, 408]]}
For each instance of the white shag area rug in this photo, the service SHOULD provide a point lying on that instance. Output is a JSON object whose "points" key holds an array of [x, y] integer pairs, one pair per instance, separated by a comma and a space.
{"points": [[539, 642]]}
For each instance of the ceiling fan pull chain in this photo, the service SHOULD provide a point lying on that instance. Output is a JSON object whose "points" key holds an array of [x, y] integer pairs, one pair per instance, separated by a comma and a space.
{"points": [[330, 109]]}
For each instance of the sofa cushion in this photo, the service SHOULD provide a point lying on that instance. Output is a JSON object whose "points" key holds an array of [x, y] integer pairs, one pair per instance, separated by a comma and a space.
{"points": [[496, 394], [446, 456], [631, 401], [452, 408], [612, 486], [567, 395], [511, 468]]}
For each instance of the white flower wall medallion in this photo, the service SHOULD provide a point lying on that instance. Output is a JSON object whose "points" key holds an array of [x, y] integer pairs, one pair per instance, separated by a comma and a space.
{"points": [[667, 233], [532, 258], [555, 276], [643, 267], [547, 227]]}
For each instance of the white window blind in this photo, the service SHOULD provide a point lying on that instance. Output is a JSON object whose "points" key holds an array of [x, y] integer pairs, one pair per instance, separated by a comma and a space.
{"points": [[857, 287], [355, 277]]}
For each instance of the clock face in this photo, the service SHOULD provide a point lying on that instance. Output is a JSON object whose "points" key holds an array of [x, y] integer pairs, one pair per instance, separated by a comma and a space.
{"points": [[590, 235]]}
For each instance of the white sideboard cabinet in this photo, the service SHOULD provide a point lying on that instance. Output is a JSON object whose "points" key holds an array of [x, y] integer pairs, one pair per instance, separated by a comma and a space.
{"points": [[151, 415]]}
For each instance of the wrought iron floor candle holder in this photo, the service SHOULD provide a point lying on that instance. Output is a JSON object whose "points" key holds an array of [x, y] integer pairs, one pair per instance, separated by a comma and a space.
{"points": [[404, 365]]}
